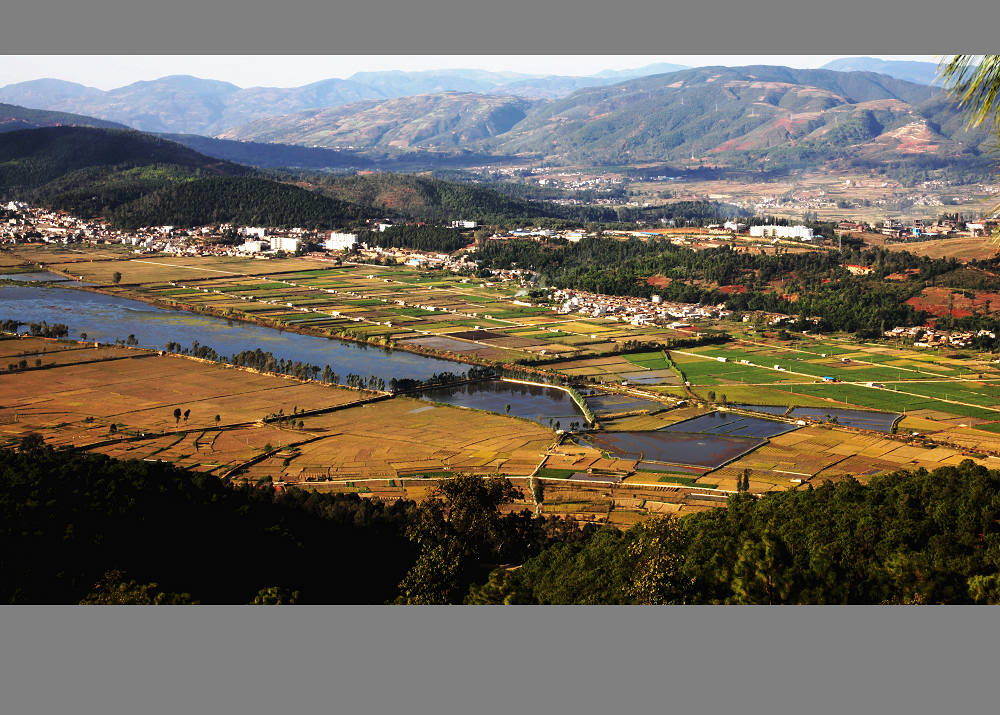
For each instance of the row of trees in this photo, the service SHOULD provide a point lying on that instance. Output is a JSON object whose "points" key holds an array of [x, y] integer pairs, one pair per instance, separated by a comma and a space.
{"points": [[42, 329]]}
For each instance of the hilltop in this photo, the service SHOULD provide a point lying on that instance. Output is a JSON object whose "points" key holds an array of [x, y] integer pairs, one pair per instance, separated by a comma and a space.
{"points": [[139, 179], [13, 117]]}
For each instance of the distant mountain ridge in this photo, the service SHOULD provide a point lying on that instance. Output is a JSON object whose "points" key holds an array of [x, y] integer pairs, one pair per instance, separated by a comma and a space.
{"points": [[449, 119], [719, 114], [909, 70], [191, 105]]}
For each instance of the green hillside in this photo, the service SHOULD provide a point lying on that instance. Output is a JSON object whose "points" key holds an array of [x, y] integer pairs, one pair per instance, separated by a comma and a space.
{"points": [[31, 158], [233, 199]]}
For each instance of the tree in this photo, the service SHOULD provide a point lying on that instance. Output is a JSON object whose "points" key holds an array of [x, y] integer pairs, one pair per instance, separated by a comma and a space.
{"points": [[658, 553], [275, 596], [458, 526], [31, 442], [973, 82], [117, 277], [177, 415], [218, 419], [113, 589], [187, 413]]}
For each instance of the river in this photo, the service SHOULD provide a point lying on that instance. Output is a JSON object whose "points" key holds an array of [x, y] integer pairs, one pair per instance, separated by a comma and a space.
{"points": [[109, 318]]}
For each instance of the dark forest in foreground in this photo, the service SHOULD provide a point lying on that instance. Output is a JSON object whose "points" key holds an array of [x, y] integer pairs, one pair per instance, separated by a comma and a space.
{"points": [[87, 528]]}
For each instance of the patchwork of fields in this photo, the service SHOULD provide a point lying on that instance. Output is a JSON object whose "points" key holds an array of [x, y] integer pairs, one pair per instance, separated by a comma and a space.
{"points": [[74, 400], [430, 311], [652, 455]]}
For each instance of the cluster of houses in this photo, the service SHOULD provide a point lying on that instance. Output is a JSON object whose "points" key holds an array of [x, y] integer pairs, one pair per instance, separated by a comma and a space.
{"points": [[931, 338], [920, 229], [637, 311]]}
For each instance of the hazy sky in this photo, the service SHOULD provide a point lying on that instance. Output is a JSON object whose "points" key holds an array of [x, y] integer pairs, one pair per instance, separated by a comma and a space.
{"points": [[110, 71]]}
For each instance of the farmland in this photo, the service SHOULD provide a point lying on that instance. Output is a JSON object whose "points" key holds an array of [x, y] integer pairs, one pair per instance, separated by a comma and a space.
{"points": [[942, 407], [429, 312], [129, 412]]}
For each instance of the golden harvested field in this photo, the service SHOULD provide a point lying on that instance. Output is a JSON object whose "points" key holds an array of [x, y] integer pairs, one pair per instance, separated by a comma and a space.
{"points": [[166, 268], [962, 249], [140, 393], [401, 436], [818, 453], [77, 403]]}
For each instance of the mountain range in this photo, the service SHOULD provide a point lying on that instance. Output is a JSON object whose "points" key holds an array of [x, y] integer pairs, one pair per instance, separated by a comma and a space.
{"points": [[919, 72], [191, 105], [741, 117], [722, 115]]}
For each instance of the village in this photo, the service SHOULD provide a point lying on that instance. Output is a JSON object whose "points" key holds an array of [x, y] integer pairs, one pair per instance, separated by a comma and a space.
{"points": [[24, 223]]}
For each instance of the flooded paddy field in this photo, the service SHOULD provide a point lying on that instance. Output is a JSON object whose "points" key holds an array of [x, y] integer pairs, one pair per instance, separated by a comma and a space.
{"points": [[545, 405], [727, 423], [675, 448], [861, 419]]}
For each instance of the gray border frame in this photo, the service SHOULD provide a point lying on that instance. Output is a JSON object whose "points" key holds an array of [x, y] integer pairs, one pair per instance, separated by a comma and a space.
{"points": [[507, 27], [517, 659]]}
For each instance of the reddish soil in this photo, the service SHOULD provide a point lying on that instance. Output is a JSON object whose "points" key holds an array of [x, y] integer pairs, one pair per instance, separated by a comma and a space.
{"points": [[731, 289], [659, 281], [935, 302]]}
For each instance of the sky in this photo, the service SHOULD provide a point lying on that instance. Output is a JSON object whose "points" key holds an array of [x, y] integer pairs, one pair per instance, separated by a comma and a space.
{"points": [[110, 71]]}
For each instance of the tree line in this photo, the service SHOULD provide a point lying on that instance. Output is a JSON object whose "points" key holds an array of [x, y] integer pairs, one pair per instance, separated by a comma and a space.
{"points": [[78, 527]]}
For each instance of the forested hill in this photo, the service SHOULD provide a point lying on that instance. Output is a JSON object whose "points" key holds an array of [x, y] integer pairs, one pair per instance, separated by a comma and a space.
{"points": [[31, 158], [906, 538], [13, 117], [420, 197], [137, 179], [240, 200]]}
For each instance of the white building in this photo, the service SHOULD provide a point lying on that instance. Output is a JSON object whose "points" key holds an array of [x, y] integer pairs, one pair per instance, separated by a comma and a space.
{"points": [[285, 243], [257, 231], [802, 233], [251, 247], [734, 226], [338, 241], [464, 224]]}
